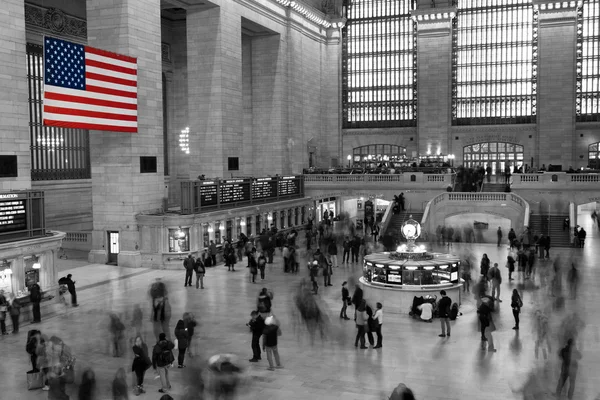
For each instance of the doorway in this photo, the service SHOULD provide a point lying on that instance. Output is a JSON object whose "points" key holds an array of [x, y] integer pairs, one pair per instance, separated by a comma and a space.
{"points": [[113, 247]]}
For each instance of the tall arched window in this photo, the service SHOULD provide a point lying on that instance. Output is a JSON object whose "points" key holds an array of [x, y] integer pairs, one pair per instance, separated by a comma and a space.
{"points": [[379, 64], [588, 61], [379, 152], [497, 155], [494, 62]]}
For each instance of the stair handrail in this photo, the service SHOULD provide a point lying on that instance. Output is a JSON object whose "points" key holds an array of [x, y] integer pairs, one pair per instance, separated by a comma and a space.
{"points": [[527, 215], [385, 221]]}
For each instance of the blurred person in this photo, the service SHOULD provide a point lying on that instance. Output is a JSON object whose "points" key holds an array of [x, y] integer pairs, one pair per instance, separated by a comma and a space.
{"points": [[137, 320], [285, 254], [480, 290], [57, 383], [181, 333], [355, 248], [361, 318], [444, 313], [224, 376], [570, 357], [14, 309], [346, 301], [117, 329], [516, 303], [158, 290], [358, 295], [34, 342], [263, 303], [495, 277], [162, 358], [512, 237], [570, 328], [3, 312], [35, 295], [271, 333], [510, 264], [487, 325], [499, 234], [521, 263], [188, 264], [581, 236], [466, 276], [257, 327], [401, 392], [190, 324], [200, 270], [332, 251], [119, 385], [313, 268], [547, 247], [87, 388], [70, 287], [212, 247], [326, 266], [370, 327], [161, 316], [541, 331], [573, 280], [484, 266], [253, 264], [141, 363], [530, 272], [293, 260], [378, 325]]}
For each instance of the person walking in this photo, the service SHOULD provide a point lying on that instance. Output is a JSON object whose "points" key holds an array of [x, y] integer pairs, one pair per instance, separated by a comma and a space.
{"points": [[212, 248], [499, 233], [495, 277], [487, 325], [271, 333], [378, 325], [70, 287], [190, 324], [512, 236], [516, 303], [161, 315], [181, 334], [141, 363], [119, 385], [355, 248], [189, 264], [14, 309], [35, 295], [484, 267], [262, 263], [375, 233], [570, 357], [345, 300], [510, 264], [444, 313], [332, 251], [361, 318], [257, 327], [162, 358], [200, 270]]}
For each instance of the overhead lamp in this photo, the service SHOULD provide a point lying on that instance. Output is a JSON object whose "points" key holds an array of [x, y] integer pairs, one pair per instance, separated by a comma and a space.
{"points": [[36, 262], [180, 233], [8, 271], [210, 228], [243, 222], [270, 217]]}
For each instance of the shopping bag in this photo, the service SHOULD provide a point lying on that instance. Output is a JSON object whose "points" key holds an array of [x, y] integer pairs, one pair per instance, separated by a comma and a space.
{"points": [[35, 380], [176, 343]]}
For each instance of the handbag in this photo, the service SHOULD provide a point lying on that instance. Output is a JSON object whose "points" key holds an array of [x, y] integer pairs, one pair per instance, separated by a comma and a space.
{"points": [[35, 380]]}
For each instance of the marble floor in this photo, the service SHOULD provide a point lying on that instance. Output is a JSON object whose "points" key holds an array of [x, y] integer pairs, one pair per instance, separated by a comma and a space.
{"points": [[435, 368]]}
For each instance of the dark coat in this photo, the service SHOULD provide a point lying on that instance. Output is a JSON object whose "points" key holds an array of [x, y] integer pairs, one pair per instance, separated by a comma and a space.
{"points": [[181, 334], [158, 349], [141, 361], [35, 293]]}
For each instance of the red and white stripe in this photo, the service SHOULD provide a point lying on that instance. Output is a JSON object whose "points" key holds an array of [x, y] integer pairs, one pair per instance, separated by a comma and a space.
{"points": [[109, 102]]}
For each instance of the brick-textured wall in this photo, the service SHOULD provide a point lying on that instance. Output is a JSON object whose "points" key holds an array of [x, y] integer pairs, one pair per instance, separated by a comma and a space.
{"points": [[14, 116], [130, 27]]}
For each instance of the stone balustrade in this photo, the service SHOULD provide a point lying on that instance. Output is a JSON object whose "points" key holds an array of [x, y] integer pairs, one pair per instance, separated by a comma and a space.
{"points": [[408, 179], [555, 180]]}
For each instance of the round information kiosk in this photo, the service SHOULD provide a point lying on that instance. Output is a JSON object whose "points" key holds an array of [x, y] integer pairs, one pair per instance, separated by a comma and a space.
{"points": [[395, 278]]}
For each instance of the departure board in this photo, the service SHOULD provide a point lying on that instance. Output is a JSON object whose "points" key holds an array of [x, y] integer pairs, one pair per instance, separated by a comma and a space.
{"points": [[289, 185], [234, 190], [208, 193], [264, 188], [13, 213]]}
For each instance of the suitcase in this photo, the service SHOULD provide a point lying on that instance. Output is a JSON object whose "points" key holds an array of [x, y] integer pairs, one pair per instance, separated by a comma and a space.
{"points": [[35, 380]]}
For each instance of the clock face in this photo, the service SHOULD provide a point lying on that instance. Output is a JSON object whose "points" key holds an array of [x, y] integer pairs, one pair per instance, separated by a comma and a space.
{"points": [[409, 230]]}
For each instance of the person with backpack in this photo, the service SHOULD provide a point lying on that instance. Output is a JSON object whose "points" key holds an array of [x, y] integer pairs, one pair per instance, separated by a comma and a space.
{"points": [[516, 303], [162, 358], [495, 277], [35, 295], [271, 333], [262, 263], [189, 264], [200, 270], [444, 313]]}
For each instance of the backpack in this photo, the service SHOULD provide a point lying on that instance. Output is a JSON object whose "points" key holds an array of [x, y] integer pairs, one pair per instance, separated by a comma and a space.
{"points": [[454, 311], [165, 357]]}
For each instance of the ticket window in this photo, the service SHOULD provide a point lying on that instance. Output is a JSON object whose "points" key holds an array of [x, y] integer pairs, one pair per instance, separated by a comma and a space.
{"points": [[229, 230], [179, 240], [205, 236], [238, 227], [218, 232], [274, 219], [249, 226]]}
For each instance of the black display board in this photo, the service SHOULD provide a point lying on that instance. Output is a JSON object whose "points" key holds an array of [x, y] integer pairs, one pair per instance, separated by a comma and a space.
{"points": [[234, 191], [289, 185], [208, 193], [13, 212], [264, 188]]}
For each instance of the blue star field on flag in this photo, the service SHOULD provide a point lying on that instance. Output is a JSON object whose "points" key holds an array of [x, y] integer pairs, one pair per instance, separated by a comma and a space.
{"points": [[64, 64]]}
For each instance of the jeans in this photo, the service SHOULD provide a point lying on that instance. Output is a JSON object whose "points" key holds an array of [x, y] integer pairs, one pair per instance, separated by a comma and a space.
{"points": [[188, 277], [262, 273], [200, 280], [256, 347], [181, 355], [360, 336], [516, 315], [495, 288], [15, 322], [272, 351], [163, 372], [334, 260], [445, 323], [344, 307], [379, 335], [73, 298], [565, 374], [213, 258], [346, 256], [326, 280], [139, 374]]}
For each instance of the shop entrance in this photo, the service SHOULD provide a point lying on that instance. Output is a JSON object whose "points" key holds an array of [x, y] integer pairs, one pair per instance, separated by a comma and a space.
{"points": [[113, 247]]}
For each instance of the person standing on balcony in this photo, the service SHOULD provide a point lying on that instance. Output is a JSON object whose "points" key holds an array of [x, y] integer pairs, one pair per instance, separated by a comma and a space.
{"points": [[488, 173], [499, 233]]}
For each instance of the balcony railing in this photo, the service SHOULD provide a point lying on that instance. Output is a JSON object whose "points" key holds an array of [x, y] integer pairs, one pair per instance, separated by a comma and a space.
{"points": [[408, 178], [555, 180]]}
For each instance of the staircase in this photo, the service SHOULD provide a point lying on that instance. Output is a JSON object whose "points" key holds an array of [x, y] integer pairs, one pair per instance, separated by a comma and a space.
{"points": [[553, 226], [494, 187], [396, 221]]}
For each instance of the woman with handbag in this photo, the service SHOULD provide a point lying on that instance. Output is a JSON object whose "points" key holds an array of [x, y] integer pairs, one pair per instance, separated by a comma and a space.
{"points": [[141, 363], [516, 304], [361, 319]]}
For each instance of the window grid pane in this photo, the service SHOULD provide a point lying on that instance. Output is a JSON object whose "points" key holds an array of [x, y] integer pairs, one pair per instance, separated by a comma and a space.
{"points": [[56, 153], [494, 63], [588, 62], [379, 64]]}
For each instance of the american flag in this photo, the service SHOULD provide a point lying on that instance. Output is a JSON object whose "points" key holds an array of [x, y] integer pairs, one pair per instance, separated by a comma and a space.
{"points": [[88, 88]]}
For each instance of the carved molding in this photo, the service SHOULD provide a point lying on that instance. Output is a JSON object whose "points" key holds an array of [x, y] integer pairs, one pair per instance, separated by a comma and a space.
{"points": [[165, 51], [54, 21]]}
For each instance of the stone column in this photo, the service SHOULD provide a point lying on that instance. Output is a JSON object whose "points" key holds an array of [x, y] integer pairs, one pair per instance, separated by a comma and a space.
{"points": [[556, 136], [14, 109], [119, 190], [434, 72], [214, 62]]}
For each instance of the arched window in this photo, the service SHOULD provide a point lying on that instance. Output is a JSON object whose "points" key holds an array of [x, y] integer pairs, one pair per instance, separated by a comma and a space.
{"points": [[379, 64], [588, 61], [494, 63], [497, 155], [379, 152]]}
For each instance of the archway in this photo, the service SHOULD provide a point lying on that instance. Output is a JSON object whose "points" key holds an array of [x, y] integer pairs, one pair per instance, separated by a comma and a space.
{"points": [[497, 155]]}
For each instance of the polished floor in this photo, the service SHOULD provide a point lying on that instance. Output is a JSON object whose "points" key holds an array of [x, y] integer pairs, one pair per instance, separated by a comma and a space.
{"points": [[412, 353]]}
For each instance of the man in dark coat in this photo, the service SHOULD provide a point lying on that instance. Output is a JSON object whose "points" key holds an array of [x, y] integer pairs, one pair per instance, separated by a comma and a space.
{"points": [[70, 287], [35, 295], [189, 264]]}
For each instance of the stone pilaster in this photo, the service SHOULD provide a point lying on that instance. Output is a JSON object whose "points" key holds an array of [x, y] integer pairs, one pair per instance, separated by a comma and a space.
{"points": [[14, 117], [556, 136], [434, 71], [119, 190], [214, 51]]}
